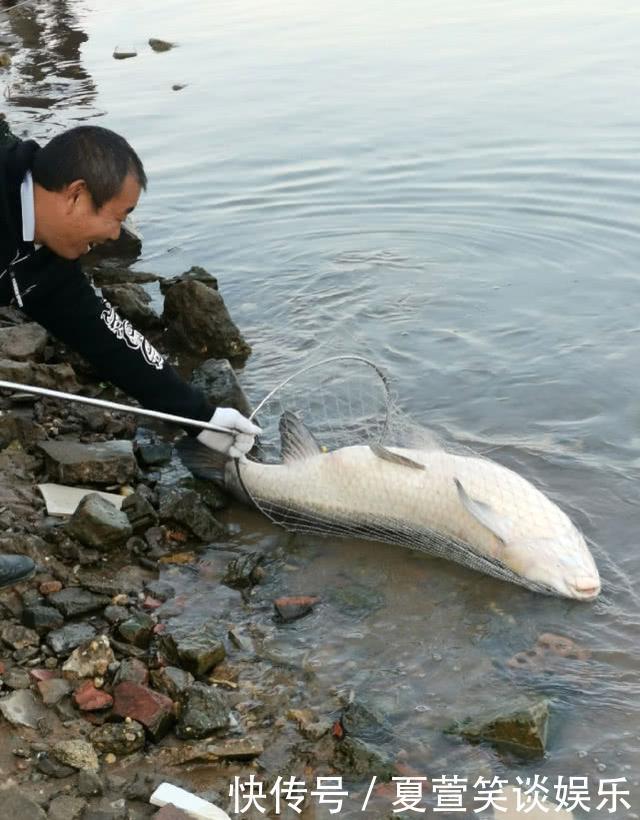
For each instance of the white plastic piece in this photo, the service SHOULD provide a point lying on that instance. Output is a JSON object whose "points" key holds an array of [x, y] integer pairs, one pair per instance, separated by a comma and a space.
{"points": [[198, 808], [63, 500]]}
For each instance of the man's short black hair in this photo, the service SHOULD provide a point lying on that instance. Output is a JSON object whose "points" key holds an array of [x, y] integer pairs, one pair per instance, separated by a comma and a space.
{"points": [[97, 155]]}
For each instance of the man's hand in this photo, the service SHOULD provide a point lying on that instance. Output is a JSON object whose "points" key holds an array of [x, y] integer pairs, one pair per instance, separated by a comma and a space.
{"points": [[240, 438]]}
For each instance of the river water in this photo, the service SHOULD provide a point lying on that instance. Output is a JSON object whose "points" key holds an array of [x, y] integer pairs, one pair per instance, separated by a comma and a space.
{"points": [[452, 190]]}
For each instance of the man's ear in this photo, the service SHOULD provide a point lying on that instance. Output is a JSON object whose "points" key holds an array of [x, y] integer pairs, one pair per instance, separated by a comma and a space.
{"points": [[73, 192]]}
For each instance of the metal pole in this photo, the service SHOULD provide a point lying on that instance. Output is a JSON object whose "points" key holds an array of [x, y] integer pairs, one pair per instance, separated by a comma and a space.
{"points": [[111, 405]]}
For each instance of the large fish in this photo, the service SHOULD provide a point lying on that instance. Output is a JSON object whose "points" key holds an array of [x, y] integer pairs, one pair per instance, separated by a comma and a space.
{"points": [[465, 508]]}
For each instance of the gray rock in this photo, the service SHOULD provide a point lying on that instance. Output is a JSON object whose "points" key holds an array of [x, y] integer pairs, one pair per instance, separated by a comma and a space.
{"points": [[218, 380], [74, 601], [65, 640], [160, 45], [184, 508], [99, 524], [108, 810], [355, 758], [21, 708], [200, 651], [108, 462], [520, 729], [16, 805], [42, 618], [213, 496], [132, 669], [242, 572], [120, 739], [17, 678], [160, 590], [52, 768], [139, 511], [365, 723], [199, 322], [52, 691], [137, 630], [171, 681], [132, 303], [19, 637], [23, 342], [154, 455], [115, 614], [128, 246], [121, 276], [204, 711], [79, 754], [194, 274], [51, 376], [90, 784], [66, 807]]}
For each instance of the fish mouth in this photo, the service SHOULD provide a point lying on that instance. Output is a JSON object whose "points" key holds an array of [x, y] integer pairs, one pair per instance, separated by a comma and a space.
{"points": [[585, 589]]}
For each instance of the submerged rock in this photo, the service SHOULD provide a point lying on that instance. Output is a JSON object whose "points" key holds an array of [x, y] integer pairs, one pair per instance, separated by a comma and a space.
{"points": [[108, 462], [356, 758], [521, 731], [365, 723], [204, 711], [218, 381], [99, 524], [198, 321], [160, 45], [74, 601], [184, 508]]}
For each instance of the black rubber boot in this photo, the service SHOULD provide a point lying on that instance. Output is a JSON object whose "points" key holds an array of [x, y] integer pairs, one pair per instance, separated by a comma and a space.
{"points": [[15, 568]]}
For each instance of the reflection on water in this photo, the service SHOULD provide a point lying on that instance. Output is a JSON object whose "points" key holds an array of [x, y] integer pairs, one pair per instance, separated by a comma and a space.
{"points": [[450, 189]]}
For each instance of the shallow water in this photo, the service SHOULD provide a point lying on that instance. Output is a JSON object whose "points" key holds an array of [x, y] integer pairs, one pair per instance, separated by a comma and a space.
{"points": [[451, 189]]}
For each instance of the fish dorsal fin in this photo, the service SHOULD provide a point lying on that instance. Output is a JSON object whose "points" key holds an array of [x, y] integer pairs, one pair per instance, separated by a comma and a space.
{"points": [[484, 513], [395, 458], [296, 440]]}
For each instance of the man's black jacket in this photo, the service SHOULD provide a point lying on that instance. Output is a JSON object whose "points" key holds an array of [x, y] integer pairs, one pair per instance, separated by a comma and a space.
{"points": [[54, 292]]}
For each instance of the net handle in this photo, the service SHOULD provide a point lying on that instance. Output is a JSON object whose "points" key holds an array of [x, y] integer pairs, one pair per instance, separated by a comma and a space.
{"points": [[352, 358]]}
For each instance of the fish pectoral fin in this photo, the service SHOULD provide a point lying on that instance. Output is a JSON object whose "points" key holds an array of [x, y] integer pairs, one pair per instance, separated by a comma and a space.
{"points": [[395, 458], [296, 440], [485, 514], [203, 462]]}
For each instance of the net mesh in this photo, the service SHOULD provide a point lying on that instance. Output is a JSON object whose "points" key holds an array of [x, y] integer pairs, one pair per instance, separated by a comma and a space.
{"points": [[345, 401]]}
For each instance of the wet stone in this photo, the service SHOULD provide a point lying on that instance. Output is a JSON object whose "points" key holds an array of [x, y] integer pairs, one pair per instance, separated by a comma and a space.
{"points": [[154, 455], [21, 708], [133, 670], [115, 614], [52, 768], [66, 807], [90, 784], [520, 730], [242, 572], [52, 691], [109, 462], [293, 608], [79, 754], [201, 651], [152, 709], [195, 273], [137, 630], [19, 637], [365, 723], [42, 618], [140, 513], [133, 303], [218, 381], [107, 810], [89, 699], [184, 507], [99, 524], [171, 681], [16, 805], [199, 322], [355, 758], [120, 739], [17, 678], [74, 601], [160, 590], [160, 45], [205, 711], [65, 640]]}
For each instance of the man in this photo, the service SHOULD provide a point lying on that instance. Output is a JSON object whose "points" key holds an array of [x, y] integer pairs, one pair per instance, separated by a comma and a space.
{"points": [[56, 202]]}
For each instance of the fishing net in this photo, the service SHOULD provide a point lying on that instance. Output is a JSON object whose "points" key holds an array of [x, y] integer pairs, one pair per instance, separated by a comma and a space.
{"points": [[345, 401]]}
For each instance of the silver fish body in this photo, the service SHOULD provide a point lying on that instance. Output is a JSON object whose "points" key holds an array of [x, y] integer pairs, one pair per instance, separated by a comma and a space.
{"points": [[458, 500]]}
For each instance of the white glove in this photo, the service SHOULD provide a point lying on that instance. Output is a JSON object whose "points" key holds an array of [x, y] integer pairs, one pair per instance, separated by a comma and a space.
{"points": [[240, 438]]}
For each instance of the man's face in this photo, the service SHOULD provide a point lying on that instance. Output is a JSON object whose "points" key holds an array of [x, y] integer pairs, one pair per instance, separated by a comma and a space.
{"points": [[80, 225]]}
